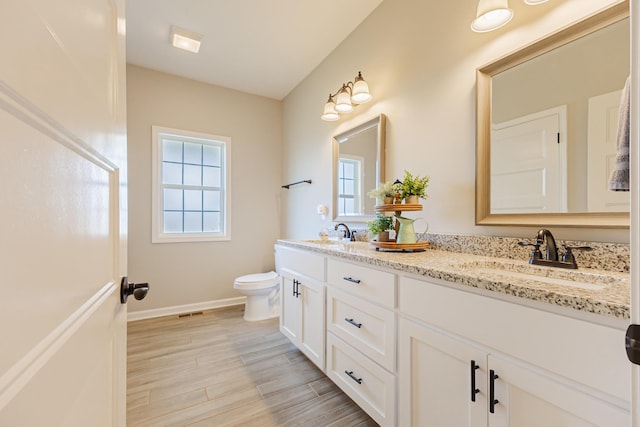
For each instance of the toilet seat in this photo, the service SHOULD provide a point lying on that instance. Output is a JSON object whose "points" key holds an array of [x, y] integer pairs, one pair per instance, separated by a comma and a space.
{"points": [[256, 281]]}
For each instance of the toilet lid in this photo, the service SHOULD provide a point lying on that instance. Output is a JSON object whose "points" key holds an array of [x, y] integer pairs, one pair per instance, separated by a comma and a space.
{"points": [[259, 277]]}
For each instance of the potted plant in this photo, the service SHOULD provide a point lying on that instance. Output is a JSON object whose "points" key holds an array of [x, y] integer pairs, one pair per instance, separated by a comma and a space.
{"points": [[413, 188], [383, 193], [381, 226]]}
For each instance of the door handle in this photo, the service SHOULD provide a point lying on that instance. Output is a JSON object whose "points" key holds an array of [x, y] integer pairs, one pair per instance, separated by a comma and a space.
{"points": [[632, 343], [492, 391], [138, 290], [296, 288], [474, 390]]}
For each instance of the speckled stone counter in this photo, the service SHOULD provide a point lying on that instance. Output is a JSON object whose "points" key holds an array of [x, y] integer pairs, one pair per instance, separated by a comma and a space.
{"points": [[601, 292]]}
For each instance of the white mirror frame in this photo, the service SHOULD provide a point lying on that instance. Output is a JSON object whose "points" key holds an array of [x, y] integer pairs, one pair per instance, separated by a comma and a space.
{"points": [[483, 123], [380, 122]]}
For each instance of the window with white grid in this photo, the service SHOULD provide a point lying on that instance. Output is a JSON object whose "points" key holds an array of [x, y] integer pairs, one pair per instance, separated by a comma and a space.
{"points": [[190, 186]]}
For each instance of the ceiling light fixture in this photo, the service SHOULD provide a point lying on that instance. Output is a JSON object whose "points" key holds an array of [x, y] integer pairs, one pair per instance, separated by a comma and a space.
{"points": [[185, 40], [348, 96], [534, 2]]}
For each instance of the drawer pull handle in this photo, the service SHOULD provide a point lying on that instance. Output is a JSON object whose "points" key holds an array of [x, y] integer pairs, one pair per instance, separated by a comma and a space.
{"points": [[351, 279], [474, 390], [354, 323], [492, 391], [353, 377]]}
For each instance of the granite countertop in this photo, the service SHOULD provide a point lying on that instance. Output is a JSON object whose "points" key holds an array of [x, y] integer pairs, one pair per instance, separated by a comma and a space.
{"points": [[601, 292]]}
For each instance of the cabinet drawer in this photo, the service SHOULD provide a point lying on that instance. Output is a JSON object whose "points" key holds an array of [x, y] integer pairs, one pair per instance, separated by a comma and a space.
{"points": [[375, 285], [370, 386], [304, 262], [367, 327]]}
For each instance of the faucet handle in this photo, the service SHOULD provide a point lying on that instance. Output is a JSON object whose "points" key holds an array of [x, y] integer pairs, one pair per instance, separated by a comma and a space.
{"points": [[535, 253], [567, 256]]}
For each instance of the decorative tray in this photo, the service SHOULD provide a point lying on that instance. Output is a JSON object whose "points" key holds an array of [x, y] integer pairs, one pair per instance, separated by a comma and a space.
{"points": [[400, 247], [398, 207]]}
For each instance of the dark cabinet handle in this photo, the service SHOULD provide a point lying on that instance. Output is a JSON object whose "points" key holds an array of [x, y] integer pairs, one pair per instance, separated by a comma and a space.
{"points": [[492, 391], [353, 377], [296, 288], [351, 279], [474, 390], [354, 323]]}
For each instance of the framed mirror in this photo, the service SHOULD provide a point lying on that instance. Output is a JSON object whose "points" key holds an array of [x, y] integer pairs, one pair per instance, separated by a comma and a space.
{"points": [[358, 166], [546, 128]]}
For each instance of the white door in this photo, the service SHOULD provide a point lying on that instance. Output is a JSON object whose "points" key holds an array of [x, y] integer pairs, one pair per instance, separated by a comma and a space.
{"points": [[312, 324], [438, 385], [602, 147], [289, 306], [63, 208], [525, 397], [528, 163]]}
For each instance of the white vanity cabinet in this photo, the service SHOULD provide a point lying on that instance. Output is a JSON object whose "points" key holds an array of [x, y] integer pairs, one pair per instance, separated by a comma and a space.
{"points": [[458, 352], [302, 298], [361, 336]]}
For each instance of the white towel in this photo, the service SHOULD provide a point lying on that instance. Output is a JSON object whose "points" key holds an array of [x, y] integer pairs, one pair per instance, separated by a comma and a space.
{"points": [[619, 180]]}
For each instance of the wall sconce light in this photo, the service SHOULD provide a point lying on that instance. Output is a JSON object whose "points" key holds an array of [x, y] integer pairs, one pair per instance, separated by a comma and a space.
{"points": [[493, 14], [185, 40], [348, 96]]}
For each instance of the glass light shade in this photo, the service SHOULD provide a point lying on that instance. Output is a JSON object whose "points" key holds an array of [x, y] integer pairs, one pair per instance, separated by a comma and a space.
{"points": [[534, 2], [330, 114], [343, 101], [360, 91], [491, 15]]}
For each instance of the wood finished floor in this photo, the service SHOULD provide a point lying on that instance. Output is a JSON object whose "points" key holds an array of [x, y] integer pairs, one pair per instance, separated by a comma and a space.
{"points": [[215, 369]]}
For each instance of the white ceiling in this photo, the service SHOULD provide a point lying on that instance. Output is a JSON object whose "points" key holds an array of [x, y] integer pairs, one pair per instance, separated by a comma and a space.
{"points": [[263, 47]]}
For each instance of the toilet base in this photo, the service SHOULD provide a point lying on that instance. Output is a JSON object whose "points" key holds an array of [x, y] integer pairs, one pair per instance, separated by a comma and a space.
{"points": [[258, 308]]}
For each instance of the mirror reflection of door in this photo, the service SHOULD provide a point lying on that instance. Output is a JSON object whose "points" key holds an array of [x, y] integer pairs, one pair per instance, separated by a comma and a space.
{"points": [[529, 163], [350, 185], [602, 147], [570, 75]]}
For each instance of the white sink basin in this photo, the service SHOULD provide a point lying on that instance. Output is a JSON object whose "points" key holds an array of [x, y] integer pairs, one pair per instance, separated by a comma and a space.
{"points": [[548, 275]]}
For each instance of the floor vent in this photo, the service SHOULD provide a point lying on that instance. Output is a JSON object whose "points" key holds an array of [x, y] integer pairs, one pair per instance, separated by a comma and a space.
{"points": [[195, 313]]}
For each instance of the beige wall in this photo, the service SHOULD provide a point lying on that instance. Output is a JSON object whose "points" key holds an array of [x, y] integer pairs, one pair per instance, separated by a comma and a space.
{"points": [[186, 273], [420, 59]]}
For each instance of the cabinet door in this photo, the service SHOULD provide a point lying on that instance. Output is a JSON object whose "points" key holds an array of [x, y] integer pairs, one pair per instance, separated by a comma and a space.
{"points": [[436, 379], [289, 308], [311, 337], [531, 398]]}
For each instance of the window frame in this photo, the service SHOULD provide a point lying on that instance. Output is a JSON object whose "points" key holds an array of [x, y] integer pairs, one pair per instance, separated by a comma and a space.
{"points": [[358, 183], [157, 212]]}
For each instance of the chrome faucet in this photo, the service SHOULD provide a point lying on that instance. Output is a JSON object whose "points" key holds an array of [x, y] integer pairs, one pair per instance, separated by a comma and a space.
{"points": [[346, 230], [551, 257]]}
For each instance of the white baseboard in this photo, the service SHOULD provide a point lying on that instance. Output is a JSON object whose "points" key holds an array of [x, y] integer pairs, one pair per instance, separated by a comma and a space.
{"points": [[187, 308]]}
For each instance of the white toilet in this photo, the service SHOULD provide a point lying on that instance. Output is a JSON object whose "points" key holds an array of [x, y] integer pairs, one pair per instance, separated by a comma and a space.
{"points": [[262, 295]]}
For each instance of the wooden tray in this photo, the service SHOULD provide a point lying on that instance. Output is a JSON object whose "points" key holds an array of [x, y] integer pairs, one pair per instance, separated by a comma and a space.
{"points": [[399, 207], [400, 247]]}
